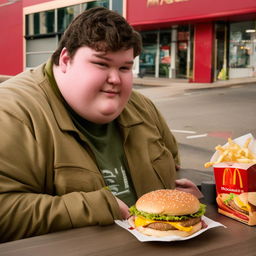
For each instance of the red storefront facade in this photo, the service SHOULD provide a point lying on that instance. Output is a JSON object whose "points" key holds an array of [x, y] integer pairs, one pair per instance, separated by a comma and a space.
{"points": [[12, 35], [206, 22]]}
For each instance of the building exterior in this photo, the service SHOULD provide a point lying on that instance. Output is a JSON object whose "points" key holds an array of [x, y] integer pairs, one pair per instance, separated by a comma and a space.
{"points": [[199, 40], [31, 29]]}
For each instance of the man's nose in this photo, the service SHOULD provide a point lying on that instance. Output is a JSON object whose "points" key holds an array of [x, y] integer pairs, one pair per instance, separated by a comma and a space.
{"points": [[114, 77]]}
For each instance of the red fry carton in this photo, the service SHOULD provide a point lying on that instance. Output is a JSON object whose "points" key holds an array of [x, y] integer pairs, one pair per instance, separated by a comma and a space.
{"points": [[236, 185]]}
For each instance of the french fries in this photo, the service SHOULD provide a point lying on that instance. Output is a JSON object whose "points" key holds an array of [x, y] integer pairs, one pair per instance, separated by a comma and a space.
{"points": [[233, 152]]}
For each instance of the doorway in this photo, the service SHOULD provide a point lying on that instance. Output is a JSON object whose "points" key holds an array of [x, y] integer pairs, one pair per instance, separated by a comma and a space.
{"points": [[221, 51], [166, 53], [182, 52], [148, 55]]}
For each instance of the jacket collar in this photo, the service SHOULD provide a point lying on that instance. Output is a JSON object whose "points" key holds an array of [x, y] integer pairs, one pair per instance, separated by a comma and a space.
{"points": [[130, 115]]}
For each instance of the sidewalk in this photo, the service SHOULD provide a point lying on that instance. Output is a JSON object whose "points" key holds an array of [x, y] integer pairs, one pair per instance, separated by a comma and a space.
{"points": [[163, 87]]}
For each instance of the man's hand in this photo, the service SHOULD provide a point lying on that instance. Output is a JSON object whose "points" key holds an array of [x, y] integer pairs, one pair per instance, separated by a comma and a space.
{"points": [[188, 186], [124, 209]]}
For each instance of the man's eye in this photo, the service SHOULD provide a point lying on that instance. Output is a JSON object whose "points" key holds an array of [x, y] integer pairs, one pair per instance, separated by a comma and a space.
{"points": [[101, 64], [125, 68]]}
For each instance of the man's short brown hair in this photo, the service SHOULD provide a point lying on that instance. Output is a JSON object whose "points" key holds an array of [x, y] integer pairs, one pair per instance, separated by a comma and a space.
{"points": [[100, 29]]}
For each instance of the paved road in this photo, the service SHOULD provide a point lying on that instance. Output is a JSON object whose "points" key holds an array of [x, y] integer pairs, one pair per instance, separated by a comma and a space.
{"points": [[202, 119]]}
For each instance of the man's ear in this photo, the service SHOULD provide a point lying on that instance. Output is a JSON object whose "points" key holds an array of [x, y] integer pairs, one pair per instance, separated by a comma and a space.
{"points": [[64, 60]]}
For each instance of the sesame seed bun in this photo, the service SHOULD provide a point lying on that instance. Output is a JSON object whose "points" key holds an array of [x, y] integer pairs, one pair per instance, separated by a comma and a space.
{"points": [[248, 197], [252, 198], [170, 202], [244, 197]]}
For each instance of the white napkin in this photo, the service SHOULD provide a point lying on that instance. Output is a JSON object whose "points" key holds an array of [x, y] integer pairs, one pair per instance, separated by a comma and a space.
{"points": [[143, 238]]}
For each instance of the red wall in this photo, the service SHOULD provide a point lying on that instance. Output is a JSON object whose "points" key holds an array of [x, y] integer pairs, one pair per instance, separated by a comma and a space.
{"points": [[11, 31], [203, 52], [11, 49], [140, 15], [33, 2]]}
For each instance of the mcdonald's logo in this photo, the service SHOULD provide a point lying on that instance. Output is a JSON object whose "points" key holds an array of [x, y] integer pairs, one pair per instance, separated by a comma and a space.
{"points": [[231, 177]]}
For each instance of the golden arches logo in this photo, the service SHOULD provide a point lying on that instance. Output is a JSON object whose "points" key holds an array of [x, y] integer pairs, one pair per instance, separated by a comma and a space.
{"points": [[230, 177]]}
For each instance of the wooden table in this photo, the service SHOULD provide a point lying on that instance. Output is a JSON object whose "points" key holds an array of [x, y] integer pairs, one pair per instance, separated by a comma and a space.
{"points": [[236, 240]]}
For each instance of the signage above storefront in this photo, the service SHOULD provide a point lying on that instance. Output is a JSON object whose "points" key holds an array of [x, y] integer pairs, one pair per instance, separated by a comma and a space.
{"points": [[7, 2], [150, 13], [161, 2]]}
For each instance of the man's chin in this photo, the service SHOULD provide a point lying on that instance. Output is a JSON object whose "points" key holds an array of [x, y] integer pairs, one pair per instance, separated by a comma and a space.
{"points": [[102, 116], [105, 117]]}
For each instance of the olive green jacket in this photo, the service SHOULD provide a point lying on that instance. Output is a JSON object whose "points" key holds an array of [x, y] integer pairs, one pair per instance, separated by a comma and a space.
{"points": [[49, 179]]}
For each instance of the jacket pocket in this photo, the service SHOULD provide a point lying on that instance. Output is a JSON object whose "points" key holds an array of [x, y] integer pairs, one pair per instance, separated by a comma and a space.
{"points": [[163, 164], [72, 178]]}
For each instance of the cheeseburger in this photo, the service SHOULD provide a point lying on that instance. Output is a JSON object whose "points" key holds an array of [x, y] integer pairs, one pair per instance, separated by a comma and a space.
{"points": [[167, 212], [241, 207]]}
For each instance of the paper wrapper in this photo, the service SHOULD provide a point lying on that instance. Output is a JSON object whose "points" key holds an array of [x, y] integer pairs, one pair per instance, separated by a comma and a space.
{"points": [[236, 178], [143, 238], [240, 141]]}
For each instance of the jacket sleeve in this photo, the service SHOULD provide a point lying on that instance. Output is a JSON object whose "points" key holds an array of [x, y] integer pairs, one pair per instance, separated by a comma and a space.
{"points": [[168, 138], [26, 209]]}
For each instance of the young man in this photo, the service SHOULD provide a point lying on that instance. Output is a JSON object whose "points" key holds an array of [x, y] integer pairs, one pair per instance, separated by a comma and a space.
{"points": [[78, 146]]}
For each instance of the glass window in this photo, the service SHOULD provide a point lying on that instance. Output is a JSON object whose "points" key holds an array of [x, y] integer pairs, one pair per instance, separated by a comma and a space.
{"points": [[44, 29], [29, 25], [164, 53], [191, 52], [182, 51], [41, 23], [117, 5], [220, 67], [49, 22], [66, 15], [36, 21], [242, 52], [103, 3], [148, 55]]}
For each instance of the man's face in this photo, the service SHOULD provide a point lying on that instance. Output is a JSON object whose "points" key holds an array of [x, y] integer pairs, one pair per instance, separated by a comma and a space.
{"points": [[96, 85]]}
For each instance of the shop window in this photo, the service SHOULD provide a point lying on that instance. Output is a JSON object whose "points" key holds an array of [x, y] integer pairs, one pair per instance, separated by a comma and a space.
{"points": [[242, 49], [148, 55], [103, 3], [190, 53], [182, 52], [165, 53], [41, 23], [117, 6], [36, 21], [66, 15], [221, 52], [43, 30]]}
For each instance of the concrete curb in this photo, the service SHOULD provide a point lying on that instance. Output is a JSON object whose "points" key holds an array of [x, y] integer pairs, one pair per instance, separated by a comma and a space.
{"points": [[160, 82], [158, 88]]}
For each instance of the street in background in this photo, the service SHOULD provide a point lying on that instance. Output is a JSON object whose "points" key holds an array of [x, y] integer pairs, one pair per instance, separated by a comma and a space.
{"points": [[202, 119]]}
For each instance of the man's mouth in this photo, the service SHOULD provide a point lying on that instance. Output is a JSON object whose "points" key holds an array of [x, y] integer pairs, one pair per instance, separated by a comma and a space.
{"points": [[110, 92]]}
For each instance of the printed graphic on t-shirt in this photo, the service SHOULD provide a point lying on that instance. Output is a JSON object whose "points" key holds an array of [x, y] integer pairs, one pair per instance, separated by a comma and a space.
{"points": [[116, 180]]}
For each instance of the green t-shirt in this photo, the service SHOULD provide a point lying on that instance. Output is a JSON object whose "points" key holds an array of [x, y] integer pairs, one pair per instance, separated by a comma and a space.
{"points": [[106, 143], [107, 147]]}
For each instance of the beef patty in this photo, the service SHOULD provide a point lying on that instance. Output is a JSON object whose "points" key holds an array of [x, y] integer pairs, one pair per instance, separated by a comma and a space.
{"points": [[166, 226], [234, 206]]}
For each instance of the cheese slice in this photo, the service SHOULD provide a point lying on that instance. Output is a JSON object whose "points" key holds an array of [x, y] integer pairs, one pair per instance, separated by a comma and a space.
{"points": [[241, 204], [140, 221]]}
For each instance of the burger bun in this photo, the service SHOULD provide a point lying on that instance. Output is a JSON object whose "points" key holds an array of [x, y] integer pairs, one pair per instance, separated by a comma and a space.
{"points": [[167, 201]]}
